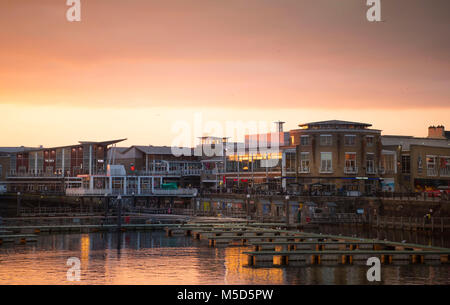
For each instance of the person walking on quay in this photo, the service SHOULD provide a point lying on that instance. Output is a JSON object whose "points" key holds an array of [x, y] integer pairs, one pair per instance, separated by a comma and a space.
{"points": [[299, 215]]}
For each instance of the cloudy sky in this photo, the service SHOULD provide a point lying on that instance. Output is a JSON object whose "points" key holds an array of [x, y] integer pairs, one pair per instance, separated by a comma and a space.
{"points": [[135, 68]]}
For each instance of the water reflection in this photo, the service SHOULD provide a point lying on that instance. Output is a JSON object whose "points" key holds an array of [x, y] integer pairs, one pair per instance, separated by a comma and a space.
{"points": [[153, 258]]}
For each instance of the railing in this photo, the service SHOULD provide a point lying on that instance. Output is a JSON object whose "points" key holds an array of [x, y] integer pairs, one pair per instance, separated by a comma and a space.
{"points": [[424, 196], [83, 191], [176, 172], [37, 175], [411, 223], [49, 175], [328, 170], [431, 172], [102, 192], [445, 172], [371, 171], [338, 218], [179, 192], [350, 170]]}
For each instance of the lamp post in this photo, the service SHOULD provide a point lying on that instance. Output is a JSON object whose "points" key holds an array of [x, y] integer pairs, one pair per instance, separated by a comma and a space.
{"points": [[287, 210], [106, 205], [119, 213], [247, 206], [18, 203]]}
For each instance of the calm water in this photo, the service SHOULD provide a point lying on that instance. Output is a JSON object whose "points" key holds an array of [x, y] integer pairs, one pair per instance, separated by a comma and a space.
{"points": [[153, 258]]}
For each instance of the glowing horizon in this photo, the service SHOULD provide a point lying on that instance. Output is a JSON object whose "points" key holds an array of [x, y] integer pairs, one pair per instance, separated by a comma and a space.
{"points": [[131, 70]]}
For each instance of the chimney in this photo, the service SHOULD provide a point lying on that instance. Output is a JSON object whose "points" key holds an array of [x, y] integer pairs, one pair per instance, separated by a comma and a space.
{"points": [[436, 132]]}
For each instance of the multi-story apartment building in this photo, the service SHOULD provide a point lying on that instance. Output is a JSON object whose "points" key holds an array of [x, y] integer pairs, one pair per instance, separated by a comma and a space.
{"points": [[337, 156]]}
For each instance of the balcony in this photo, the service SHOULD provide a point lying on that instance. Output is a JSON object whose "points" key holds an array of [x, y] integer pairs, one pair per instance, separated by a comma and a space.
{"points": [[371, 171], [431, 172], [350, 170], [445, 172], [304, 170], [326, 170]]}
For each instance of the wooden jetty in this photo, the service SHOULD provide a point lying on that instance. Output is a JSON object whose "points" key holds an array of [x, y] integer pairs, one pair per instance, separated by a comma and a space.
{"points": [[278, 258], [17, 238], [278, 247]]}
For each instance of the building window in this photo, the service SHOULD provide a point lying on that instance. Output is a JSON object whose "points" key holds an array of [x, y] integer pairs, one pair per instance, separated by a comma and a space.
{"points": [[350, 163], [406, 164], [387, 164], [304, 162], [445, 167], [370, 163], [369, 141], [431, 166], [290, 162], [349, 140], [304, 140], [326, 165], [325, 140]]}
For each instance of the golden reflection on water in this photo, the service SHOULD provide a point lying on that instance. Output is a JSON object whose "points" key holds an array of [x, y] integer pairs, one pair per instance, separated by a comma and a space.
{"points": [[152, 258], [85, 242], [236, 270]]}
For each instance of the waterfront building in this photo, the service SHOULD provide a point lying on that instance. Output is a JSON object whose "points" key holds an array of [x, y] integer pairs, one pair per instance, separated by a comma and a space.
{"points": [[137, 160], [261, 163], [337, 157], [415, 164], [54, 169], [5, 162]]}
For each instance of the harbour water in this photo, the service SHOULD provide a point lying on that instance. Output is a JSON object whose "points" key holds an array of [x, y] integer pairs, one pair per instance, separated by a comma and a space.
{"points": [[153, 258]]}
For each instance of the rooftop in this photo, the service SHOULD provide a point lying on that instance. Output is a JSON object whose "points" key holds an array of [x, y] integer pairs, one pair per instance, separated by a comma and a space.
{"points": [[335, 122], [153, 150], [407, 141]]}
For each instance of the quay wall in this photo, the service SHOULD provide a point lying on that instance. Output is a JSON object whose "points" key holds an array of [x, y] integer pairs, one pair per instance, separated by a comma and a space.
{"points": [[373, 206]]}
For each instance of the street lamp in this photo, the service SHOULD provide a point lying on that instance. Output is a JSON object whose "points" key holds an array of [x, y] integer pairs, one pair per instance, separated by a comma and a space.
{"points": [[106, 206], [248, 205], [119, 212], [18, 203], [287, 210]]}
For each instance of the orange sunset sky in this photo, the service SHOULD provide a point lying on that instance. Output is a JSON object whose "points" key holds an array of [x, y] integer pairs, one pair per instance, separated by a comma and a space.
{"points": [[132, 69]]}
